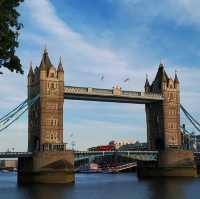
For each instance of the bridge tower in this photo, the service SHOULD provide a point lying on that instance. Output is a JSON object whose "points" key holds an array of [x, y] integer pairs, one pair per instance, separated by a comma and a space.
{"points": [[51, 161], [45, 125], [163, 131], [163, 118]]}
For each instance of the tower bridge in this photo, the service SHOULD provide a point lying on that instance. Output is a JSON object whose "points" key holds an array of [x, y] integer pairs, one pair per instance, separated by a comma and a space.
{"points": [[110, 95], [51, 162]]}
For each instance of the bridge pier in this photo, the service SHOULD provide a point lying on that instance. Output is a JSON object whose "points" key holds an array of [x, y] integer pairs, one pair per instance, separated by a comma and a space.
{"points": [[171, 163], [47, 167]]}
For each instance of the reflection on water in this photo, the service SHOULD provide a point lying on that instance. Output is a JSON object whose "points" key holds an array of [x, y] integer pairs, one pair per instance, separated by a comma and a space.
{"points": [[104, 186]]}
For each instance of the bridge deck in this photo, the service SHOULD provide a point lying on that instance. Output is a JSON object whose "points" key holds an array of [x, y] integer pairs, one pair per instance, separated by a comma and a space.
{"points": [[110, 95], [136, 155], [15, 154]]}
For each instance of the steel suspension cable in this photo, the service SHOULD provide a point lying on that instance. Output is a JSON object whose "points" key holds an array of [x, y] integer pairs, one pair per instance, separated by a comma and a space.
{"points": [[191, 119], [29, 104], [190, 115], [7, 119], [7, 115]]}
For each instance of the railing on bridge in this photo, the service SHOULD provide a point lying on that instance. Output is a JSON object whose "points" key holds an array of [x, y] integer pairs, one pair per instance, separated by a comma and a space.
{"points": [[115, 92], [135, 155], [15, 154]]}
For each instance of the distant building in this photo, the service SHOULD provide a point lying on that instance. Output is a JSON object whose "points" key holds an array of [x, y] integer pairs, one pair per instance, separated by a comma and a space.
{"points": [[8, 164], [120, 143], [137, 146], [191, 142]]}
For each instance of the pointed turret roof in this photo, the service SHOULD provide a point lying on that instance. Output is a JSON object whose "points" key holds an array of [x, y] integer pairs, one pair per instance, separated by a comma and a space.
{"points": [[176, 78], [45, 62], [161, 75], [147, 84], [60, 66], [31, 73]]}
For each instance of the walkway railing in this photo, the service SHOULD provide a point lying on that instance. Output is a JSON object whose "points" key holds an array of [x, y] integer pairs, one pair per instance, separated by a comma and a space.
{"points": [[15, 154], [135, 155], [115, 92]]}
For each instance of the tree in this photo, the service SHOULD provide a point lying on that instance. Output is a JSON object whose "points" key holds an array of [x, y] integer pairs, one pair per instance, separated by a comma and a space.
{"points": [[9, 32]]}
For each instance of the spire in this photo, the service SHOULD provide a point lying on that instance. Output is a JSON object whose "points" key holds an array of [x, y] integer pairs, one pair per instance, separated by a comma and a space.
{"points": [[147, 84], [31, 73], [161, 65], [60, 65], [45, 49], [161, 74], [176, 77], [45, 62]]}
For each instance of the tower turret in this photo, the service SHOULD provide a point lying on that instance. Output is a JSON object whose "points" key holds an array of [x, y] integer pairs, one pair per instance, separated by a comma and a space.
{"points": [[44, 64], [30, 74], [60, 70], [176, 81], [147, 86], [160, 82]]}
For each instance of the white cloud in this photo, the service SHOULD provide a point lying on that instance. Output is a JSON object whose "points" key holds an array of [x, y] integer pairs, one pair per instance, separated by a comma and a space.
{"points": [[183, 12], [104, 59]]}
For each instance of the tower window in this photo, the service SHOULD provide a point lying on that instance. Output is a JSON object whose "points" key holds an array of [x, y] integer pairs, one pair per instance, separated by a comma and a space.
{"points": [[53, 122]]}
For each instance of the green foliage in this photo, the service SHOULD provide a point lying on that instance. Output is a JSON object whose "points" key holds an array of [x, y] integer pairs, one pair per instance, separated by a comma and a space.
{"points": [[9, 32]]}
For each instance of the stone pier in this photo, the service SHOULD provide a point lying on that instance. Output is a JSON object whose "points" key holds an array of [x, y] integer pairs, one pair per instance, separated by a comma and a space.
{"points": [[47, 167], [171, 163]]}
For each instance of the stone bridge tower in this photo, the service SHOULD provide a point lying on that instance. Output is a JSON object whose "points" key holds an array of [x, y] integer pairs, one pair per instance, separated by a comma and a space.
{"points": [[45, 125], [51, 162], [163, 119]]}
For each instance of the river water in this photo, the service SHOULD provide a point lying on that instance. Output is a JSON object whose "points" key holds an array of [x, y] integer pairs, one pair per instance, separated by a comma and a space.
{"points": [[104, 186]]}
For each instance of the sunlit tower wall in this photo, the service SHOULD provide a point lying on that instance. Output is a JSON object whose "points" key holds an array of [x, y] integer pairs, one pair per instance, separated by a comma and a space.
{"points": [[45, 123], [163, 118]]}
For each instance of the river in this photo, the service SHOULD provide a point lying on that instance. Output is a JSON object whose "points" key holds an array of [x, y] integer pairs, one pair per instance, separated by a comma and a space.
{"points": [[103, 186]]}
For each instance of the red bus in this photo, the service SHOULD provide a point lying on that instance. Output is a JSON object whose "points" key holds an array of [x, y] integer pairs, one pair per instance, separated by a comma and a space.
{"points": [[105, 148]]}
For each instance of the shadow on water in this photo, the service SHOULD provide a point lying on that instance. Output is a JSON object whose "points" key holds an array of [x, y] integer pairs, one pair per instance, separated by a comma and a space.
{"points": [[104, 186], [172, 188], [52, 191]]}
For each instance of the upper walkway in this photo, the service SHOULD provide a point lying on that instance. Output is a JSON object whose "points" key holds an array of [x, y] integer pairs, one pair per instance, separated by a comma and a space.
{"points": [[110, 95]]}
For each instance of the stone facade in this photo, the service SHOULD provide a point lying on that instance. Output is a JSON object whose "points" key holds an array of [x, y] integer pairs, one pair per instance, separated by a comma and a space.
{"points": [[171, 163], [47, 167], [163, 118], [51, 162], [45, 124]]}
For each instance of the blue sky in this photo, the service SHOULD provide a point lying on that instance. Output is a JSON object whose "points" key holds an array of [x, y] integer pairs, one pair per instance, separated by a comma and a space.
{"points": [[117, 38]]}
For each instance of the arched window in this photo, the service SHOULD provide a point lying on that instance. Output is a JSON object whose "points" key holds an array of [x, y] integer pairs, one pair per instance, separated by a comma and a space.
{"points": [[52, 75]]}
